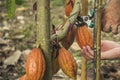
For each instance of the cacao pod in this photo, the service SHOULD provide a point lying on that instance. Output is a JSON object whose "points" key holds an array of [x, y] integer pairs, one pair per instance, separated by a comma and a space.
{"points": [[67, 63], [55, 66], [69, 38], [24, 77], [69, 6], [35, 65], [84, 37]]}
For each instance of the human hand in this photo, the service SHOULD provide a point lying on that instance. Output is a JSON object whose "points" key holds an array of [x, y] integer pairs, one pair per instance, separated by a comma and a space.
{"points": [[113, 53], [111, 16], [87, 52]]}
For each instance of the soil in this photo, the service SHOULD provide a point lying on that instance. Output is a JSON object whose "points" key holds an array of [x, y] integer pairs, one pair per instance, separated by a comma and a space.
{"points": [[17, 35]]}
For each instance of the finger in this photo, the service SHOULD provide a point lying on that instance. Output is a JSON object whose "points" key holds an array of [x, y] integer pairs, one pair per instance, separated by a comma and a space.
{"points": [[89, 52], [107, 1], [115, 29], [86, 54], [103, 21], [119, 28], [83, 51], [83, 54], [106, 28]]}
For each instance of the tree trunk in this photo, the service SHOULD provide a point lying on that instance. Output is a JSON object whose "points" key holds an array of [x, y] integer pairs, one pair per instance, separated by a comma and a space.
{"points": [[43, 34]]}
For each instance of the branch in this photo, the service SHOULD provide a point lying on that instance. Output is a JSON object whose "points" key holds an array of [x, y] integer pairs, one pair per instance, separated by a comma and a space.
{"points": [[84, 61], [61, 33], [97, 40]]}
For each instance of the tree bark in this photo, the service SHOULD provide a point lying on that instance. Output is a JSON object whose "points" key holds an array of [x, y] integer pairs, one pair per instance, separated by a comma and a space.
{"points": [[43, 34]]}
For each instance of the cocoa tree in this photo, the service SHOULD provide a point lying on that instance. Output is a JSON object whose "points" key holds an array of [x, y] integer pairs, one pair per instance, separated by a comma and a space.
{"points": [[43, 30], [43, 34]]}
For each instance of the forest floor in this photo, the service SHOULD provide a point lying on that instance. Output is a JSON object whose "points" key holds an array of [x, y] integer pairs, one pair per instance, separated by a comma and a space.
{"points": [[17, 38]]}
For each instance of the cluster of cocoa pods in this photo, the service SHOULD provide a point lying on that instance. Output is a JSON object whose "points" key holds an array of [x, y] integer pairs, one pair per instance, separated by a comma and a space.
{"points": [[83, 37], [83, 34], [35, 65]]}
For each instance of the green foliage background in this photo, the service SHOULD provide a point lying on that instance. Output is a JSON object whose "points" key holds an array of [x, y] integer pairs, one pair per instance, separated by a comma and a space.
{"points": [[57, 2], [19, 2]]}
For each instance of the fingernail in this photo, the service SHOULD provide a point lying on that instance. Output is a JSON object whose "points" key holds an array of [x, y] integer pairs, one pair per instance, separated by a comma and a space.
{"points": [[83, 47], [87, 46]]}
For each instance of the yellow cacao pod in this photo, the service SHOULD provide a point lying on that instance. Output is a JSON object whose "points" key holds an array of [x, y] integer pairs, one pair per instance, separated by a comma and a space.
{"points": [[84, 36], [67, 63], [35, 65]]}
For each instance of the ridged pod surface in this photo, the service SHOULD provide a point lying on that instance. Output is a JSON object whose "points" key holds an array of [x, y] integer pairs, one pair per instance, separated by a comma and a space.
{"points": [[84, 37], [55, 66], [69, 6], [67, 63], [24, 77], [35, 65]]}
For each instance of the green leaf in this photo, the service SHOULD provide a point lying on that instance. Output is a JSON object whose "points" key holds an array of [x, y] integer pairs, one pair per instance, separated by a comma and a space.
{"points": [[11, 7]]}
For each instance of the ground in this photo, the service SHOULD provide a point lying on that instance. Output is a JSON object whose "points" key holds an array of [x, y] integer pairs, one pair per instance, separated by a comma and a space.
{"points": [[17, 38]]}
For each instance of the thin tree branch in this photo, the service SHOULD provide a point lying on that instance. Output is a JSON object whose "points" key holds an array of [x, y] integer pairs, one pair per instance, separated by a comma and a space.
{"points": [[61, 33], [84, 61], [97, 40]]}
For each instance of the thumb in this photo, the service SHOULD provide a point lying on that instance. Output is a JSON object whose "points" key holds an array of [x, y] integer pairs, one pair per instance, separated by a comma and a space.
{"points": [[115, 28]]}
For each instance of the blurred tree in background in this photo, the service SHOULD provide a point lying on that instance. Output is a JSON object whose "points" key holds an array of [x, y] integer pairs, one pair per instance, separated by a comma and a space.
{"points": [[57, 2], [19, 2]]}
